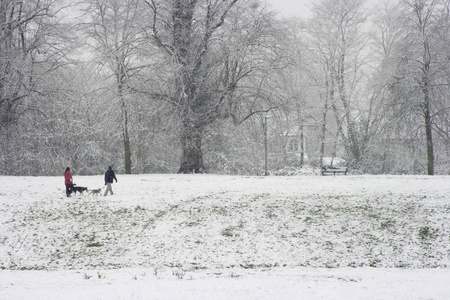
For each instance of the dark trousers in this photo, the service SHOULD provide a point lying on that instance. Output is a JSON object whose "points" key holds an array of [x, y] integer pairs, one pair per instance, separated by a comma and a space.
{"points": [[69, 189]]}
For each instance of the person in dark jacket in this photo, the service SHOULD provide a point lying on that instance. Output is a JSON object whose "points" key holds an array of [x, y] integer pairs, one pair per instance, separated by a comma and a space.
{"points": [[109, 177], [68, 180]]}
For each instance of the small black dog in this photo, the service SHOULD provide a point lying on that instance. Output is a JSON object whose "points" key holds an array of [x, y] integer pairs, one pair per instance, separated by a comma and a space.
{"points": [[79, 189]]}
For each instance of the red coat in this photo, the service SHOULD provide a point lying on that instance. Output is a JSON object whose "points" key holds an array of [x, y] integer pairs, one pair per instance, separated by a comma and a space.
{"points": [[68, 178]]}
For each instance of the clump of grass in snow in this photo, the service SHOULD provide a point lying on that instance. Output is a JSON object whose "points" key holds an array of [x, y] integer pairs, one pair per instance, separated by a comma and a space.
{"points": [[179, 274], [426, 233]]}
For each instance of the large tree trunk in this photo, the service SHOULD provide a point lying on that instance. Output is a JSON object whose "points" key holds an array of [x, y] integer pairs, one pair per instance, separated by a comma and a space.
{"points": [[126, 136], [323, 130], [127, 151], [426, 74], [189, 48], [192, 157], [428, 132], [353, 140]]}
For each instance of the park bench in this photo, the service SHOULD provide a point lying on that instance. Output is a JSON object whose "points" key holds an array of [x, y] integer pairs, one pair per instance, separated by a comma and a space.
{"points": [[334, 170]]}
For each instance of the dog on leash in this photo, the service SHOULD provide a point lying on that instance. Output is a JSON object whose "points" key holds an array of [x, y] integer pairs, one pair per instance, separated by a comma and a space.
{"points": [[79, 189], [95, 192]]}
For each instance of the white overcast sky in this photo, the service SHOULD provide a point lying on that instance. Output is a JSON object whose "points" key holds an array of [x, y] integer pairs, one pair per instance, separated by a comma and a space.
{"points": [[291, 8]]}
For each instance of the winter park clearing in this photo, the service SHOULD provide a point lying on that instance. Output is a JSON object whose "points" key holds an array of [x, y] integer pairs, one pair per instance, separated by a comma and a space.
{"points": [[226, 237]]}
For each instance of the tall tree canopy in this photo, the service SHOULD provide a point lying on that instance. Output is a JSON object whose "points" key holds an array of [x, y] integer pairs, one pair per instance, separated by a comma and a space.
{"points": [[214, 47]]}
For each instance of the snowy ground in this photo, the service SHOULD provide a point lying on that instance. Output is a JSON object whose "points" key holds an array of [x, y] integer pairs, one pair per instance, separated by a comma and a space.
{"points": [[226, 237]]}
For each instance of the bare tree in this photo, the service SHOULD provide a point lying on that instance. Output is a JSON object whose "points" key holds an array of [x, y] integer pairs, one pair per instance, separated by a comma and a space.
{"points": [[211, 61], [424, 18], [32, 49], [414, 64], [337, 45], [114, 28]]}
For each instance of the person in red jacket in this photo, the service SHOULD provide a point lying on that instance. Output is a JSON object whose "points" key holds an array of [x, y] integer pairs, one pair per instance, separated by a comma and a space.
{"points": [[68, 181]]}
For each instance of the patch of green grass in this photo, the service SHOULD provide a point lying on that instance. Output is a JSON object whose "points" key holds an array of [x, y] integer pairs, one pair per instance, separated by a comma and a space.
{"points": [[220, 210], [94, 244], [258, 266], [374, 263], [387, 224], [426, 233], [229, 231]]}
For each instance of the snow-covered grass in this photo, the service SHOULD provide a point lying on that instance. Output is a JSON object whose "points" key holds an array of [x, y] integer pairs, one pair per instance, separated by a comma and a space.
{"points": [[226, 237]]}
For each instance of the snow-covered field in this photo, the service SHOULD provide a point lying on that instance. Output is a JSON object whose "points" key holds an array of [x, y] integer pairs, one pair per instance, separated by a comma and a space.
{"points": [[226, 237]]}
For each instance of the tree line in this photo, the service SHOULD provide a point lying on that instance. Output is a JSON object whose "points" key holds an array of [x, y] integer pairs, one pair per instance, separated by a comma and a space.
{"points": [[193, 86]]}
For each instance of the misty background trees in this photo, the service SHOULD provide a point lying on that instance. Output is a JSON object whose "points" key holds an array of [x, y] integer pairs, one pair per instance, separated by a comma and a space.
{"points": [[190, 86]]}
